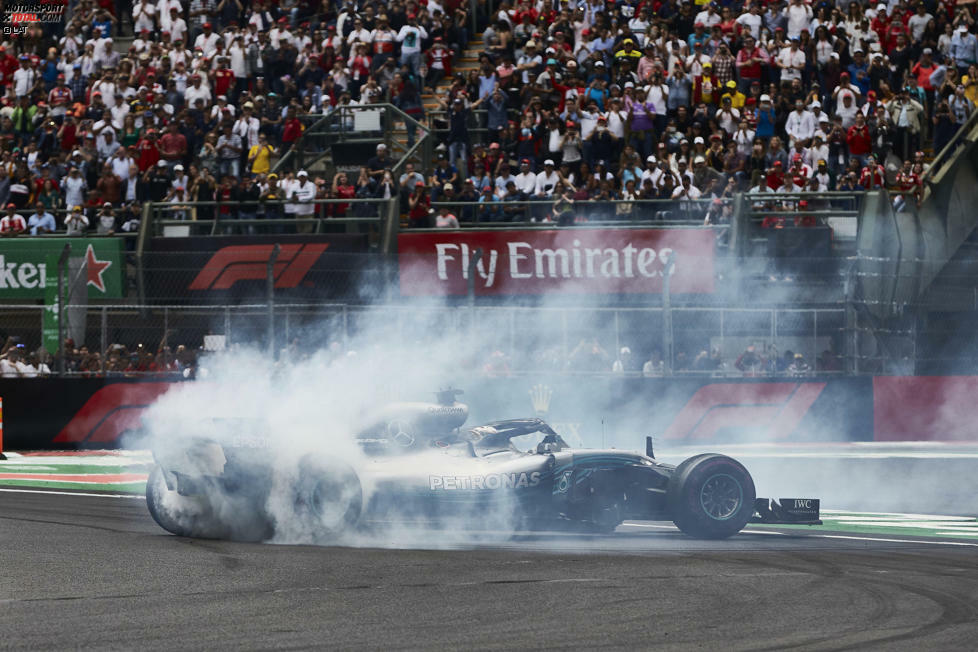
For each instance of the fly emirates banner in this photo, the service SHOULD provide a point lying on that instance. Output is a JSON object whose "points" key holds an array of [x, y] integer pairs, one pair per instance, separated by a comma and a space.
{"points": [[578, 261]]}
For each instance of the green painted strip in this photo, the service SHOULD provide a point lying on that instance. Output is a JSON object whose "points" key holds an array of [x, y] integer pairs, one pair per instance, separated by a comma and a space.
{"points": [[890, 525], [73, 469], [129, 487]]}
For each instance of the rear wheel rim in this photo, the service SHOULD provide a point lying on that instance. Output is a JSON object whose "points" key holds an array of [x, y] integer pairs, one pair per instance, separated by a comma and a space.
{"points": [[331, 502], [721, 496]]}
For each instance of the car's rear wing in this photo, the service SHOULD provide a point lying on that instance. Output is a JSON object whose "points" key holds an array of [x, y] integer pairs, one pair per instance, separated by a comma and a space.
{"points": [[790, 511]]}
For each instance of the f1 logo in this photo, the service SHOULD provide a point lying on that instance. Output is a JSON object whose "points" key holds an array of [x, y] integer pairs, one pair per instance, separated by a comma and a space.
{"points": [[248, 263], [774, 409]]}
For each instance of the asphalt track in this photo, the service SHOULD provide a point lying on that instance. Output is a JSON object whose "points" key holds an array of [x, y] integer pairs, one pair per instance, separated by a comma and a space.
{"points": [[82, 571]]}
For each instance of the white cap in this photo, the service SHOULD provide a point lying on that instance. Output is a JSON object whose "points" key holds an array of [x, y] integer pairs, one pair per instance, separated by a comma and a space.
{"points": [[448, 186], [178, 166], [549, 161], [382, 146], [765, 98], [699, 141], [963, 28], [814, 104], [699, 159], [650, 159], [629, 85], [302, 173]]}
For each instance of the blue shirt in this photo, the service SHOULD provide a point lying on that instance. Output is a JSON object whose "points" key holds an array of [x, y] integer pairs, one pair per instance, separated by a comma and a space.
{"points": [[863, 83], [44, 221], [103, 26], [964, 50]]}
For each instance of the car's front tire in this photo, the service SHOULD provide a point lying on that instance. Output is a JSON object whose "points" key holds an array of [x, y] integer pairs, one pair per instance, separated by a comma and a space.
{"points": [[711, 496]]}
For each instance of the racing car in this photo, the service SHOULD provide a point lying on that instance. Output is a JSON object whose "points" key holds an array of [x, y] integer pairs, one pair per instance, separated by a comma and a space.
{"points": [[419, 462]]}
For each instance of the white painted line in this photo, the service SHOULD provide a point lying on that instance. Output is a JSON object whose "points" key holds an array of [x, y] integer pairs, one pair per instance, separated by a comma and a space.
{"points": [[72, 493], [913, 516], [927, 543]]}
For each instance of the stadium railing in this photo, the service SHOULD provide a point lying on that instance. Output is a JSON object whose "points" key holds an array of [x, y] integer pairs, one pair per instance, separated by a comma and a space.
{"points": [[533, 339], [364, 125]]}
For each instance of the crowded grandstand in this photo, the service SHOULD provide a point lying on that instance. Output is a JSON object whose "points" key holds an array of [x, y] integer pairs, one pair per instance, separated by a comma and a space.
{"points": [[771, 126], [568, 103]]}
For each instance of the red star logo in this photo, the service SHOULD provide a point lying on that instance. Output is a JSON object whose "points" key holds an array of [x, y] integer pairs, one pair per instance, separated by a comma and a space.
{"points": [[96, 268]]}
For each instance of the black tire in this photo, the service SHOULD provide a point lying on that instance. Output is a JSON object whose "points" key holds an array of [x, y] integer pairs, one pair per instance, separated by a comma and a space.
{"points": [[327, 500], [711, 496], [184, 516]]}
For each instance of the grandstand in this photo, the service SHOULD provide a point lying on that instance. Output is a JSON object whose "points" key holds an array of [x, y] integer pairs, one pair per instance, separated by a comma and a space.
{"points": [[776, 175]]}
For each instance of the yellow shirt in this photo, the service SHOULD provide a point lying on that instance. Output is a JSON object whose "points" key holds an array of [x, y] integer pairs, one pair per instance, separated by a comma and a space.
{"points": [[262, 155], [970, 90], [737, 99]]}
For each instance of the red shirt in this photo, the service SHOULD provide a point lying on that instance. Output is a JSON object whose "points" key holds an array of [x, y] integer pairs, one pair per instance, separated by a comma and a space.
{"points": [[15, 223], [343, 192], [8, 64], [292, 130], [69, 137], [59, 96], [224, 196], [872, 177], [859, 141], [223, 79], [147, 154], [39, 185], [908, 181], [923, 73], [172, 145]]}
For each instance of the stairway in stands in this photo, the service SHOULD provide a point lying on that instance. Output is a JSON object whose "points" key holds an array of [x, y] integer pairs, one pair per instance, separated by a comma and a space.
{"points": [[468, 61]]}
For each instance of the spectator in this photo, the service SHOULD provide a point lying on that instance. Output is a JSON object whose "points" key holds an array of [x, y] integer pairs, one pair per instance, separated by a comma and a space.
{"points": [[12, 224], [41, 222], [76, 223]]}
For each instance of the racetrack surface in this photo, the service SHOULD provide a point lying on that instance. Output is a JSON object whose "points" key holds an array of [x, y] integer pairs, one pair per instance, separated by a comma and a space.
{"points": [[96, 572]]}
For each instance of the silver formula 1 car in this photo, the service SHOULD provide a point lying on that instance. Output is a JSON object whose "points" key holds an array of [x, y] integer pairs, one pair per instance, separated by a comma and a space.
{"points": [[420, 463]]}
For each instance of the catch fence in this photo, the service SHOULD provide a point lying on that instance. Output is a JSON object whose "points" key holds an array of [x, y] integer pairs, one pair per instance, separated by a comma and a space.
{"points": [[496, 340]]}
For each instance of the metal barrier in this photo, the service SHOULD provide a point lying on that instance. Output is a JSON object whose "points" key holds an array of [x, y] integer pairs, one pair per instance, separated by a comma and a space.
{"points": [[206, 218], [531, 340], [365, 124], [630, 212]]}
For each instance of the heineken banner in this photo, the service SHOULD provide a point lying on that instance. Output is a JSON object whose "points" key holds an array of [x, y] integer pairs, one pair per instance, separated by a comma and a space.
{"points": [[24, 267], [75, 302]]}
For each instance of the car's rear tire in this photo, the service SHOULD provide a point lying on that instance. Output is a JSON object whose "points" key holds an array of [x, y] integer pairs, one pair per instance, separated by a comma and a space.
{"points": [[711, 496], [327, 500], [184, 516]]}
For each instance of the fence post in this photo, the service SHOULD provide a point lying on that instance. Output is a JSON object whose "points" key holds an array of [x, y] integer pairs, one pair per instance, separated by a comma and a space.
{"points": [[144, 227], [227, 326], [104, 336], [815, 353], [667, 340], [62, 262], [270, 297], [473, 261]]}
